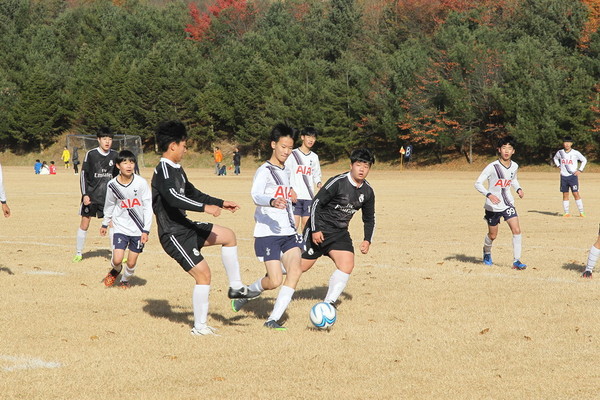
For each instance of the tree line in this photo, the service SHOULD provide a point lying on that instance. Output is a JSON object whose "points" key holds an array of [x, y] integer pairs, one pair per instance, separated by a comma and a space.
{"points": [[443, 75]]}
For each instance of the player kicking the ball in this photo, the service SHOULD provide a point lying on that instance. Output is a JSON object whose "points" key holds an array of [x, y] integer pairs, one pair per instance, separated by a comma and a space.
{"points": [[128, 206], [567, 160], [501, 175], [181, 238], [275, 239]]}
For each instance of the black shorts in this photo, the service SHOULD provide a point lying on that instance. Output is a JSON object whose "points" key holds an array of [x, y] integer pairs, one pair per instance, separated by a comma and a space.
{"points": [[340, 240], [92, 210], [569, 182], [185, 247], [493, 218], [302, 208]]}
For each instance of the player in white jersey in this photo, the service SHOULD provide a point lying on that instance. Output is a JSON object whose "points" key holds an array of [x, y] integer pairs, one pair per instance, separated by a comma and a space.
{"points": [[567, 160], [306, 174], [501, 175], [275, 237], [128, 206], [5, 209]]}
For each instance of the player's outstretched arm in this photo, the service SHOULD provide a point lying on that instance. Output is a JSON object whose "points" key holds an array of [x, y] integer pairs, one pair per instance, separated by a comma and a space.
{"points": [[230, 206]]}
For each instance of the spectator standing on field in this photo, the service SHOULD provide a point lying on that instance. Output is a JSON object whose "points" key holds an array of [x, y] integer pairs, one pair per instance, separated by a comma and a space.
{"points": [[218, 159], [237, 160]]}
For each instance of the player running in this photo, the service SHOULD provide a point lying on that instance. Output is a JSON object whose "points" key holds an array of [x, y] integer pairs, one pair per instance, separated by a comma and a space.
{"points": [[5, 208], [501, 175], [567, 160], [306, 174], [128, 206], [96, 171], [276, 241], [181, 238]]}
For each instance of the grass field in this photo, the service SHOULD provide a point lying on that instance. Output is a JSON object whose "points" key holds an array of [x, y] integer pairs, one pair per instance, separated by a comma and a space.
{"points": [[421, 317]]}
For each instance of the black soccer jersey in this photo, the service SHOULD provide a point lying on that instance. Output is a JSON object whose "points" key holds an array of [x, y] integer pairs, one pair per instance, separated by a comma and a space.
{"points": [[172, 195], [96, 172], [338, 200]]}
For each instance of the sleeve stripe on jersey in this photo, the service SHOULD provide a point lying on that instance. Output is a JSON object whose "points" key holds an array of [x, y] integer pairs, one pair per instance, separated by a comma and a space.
{"points": [[313, 227], [275, 175], [374, 227], [182, 251], [134, 216], [185, 199], [334, 180], [165, 169], [279, 181]]}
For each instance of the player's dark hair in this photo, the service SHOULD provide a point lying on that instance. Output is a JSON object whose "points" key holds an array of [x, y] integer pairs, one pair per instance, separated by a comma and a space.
{"points": [[309, 131], [568, 139], [506, 140], [51, 162], [362, 155], [104, 131], [168, 132], [124, 155], [282, 130], [37, 160]]}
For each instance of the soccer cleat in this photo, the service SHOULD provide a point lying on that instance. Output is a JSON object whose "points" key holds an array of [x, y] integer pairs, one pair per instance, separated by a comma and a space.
{"points": [[206, 331], [582, 214], [519, 265], [77, 258], [242, 293], [109, 280], [587, 274], [566, 215], [237, 304], [124, 285], [274, 325], [487, 258]]}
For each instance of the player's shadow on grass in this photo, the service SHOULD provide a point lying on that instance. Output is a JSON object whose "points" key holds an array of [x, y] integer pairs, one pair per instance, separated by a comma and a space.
{"points": [[464, 258], [162, 309], [552, 213], [6, 269], [98, 253], [574, 267]]}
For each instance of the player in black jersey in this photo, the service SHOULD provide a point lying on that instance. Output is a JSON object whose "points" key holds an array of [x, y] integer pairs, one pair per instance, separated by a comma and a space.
{"points": [[181, 238], [333, 208], [96, 171]]}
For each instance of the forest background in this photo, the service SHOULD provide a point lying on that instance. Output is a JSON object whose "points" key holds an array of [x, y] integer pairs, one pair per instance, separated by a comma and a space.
{"points": [[447, 76]]}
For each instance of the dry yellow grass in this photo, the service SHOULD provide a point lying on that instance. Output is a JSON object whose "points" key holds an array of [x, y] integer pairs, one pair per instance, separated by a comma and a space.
{"points": [[421, 317]]}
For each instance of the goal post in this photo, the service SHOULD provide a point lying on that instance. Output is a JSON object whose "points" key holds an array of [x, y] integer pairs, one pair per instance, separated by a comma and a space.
{"points": [[84, 143]]}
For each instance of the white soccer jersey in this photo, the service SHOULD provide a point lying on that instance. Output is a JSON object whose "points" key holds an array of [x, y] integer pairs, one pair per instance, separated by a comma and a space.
{"points": [[270, 182], [2, 193], [128, 206], [567, 161], [500, 179], [306, 173]]}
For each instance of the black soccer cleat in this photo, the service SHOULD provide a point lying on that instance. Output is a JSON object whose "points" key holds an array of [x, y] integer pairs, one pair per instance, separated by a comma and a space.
{"points": [[587, 274], [243, 293]]}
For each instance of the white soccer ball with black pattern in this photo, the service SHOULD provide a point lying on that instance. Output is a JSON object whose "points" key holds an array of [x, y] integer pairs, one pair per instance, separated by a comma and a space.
{"points": [[323, 315]]}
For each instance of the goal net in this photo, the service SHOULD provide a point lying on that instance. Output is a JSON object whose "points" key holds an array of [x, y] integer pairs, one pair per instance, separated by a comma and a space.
{"points": [[84, 143]]}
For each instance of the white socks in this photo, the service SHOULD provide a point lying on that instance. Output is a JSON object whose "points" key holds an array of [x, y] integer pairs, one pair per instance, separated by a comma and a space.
{"points": [[283, 300], [592, 258], [110, 236], [81, 235], [566, 206], [337, 284], [229, 255], [257, 286], [487, 245], [127, 274], [579, 205], [200, 305], [517, 246]]}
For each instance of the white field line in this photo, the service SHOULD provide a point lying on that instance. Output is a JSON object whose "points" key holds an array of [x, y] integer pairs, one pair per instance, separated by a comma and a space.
{"points": [[24, 363]]}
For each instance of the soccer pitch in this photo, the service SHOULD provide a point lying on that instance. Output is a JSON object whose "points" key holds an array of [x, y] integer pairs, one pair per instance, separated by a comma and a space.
{"points": [[421, 317]]}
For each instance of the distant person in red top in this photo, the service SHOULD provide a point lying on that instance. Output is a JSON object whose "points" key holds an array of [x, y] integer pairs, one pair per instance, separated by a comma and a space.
{"points": [[52, 168]]}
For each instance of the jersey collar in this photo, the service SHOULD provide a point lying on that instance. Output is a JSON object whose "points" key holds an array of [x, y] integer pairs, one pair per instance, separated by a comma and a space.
{"points": [[171, 163], [102, 152], [353, 182]]}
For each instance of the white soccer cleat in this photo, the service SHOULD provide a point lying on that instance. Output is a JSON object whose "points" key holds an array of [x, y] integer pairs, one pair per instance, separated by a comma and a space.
{"points": [[206, 331]]}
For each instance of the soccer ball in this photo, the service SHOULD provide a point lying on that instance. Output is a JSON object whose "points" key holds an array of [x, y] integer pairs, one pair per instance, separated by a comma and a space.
{"points": [[323, 315]]}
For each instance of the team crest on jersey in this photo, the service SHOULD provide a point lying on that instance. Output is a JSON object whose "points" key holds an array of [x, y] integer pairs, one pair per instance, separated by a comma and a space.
{"points": [[135, 192], [361, 198], [110, 163], [196, 252]]}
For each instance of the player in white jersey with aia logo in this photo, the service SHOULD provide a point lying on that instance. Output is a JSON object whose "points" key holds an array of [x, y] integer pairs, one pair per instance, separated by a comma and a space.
{"points": [[568, 160], [306, 174], [275, 239], [501, 176], [128, 206]]}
